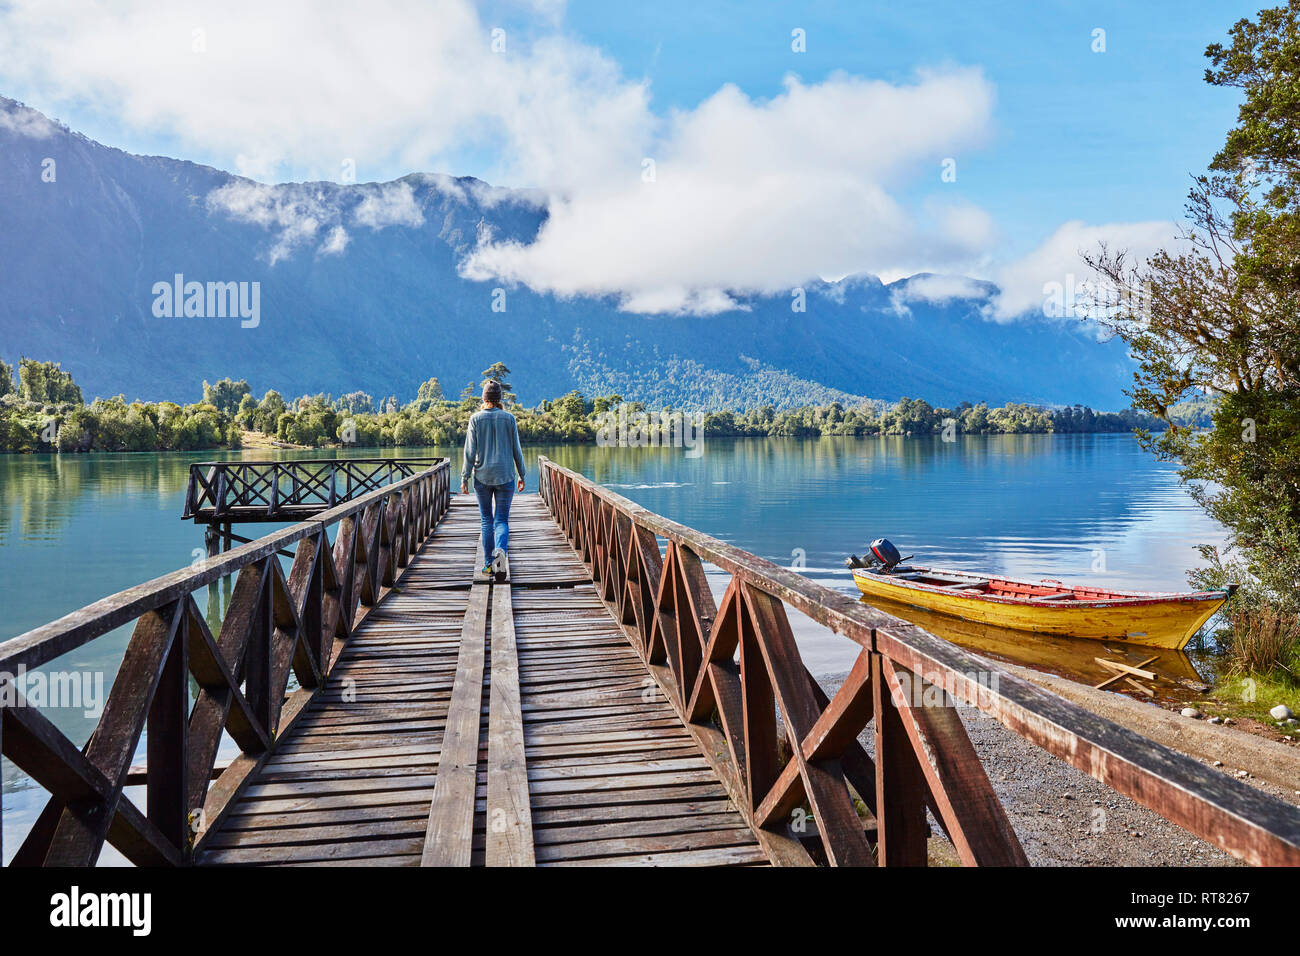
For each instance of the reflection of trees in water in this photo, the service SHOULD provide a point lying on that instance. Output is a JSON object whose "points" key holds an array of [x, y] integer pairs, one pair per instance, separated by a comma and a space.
{"points": [[1050, 495], [40, 493], [777, 459]]}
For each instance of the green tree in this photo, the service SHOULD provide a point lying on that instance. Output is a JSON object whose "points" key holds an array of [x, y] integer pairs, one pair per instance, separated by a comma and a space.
{"points": [[470, 396], [355, 403], [428, 395], [571, 407], [1222, 315], [912, 416], [1258, 168], [497, 372], [6, 378], [226, 395], [46, 383], [269, 410], [246, 416]]}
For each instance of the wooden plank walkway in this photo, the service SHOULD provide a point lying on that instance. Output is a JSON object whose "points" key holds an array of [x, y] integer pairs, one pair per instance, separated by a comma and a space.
{"points": [[470, 723]]}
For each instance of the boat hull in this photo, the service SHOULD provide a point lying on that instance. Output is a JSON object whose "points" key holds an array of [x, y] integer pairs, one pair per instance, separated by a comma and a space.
{"points": [[1160, 622], [1069, 657]]}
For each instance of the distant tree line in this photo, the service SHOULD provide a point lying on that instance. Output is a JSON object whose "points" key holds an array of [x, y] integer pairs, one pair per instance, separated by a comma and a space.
{"points": [[41, 409], [915, 416]]}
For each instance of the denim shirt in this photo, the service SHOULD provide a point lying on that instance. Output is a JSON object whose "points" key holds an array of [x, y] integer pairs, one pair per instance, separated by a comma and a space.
{"points": [[491, 442]]}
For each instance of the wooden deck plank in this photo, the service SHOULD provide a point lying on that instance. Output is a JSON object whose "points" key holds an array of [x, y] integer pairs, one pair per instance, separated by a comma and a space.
{"points": [[394, 764], [451, 814], [509, 816]]}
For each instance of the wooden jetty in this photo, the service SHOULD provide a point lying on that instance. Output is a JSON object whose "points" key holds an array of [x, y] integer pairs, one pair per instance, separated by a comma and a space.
{"points": [[379, 703]]}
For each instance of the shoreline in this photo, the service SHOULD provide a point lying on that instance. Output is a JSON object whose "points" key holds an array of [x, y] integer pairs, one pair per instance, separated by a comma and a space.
{"points": [[260, 441], [1063, 817]]}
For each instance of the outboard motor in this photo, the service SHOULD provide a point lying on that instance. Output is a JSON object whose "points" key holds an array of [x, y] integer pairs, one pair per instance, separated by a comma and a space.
{"points": [[883, 554], [884, 551]]}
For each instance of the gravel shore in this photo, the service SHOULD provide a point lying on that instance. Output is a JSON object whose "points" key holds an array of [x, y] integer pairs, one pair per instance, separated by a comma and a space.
{"points": [[1062, 816]]}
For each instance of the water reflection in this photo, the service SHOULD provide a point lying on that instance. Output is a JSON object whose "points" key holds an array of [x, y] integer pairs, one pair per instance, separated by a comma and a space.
{"points": [[1073, 658], [1084, 508], [1093, 508]]}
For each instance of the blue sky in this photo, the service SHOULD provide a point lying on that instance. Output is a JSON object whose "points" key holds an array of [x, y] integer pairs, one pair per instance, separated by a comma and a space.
{"points": [[1055, 144], [1077, 134]]}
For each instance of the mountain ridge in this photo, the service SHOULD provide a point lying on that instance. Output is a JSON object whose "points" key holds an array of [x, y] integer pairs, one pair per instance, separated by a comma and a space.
{"points": [[360, 288]]}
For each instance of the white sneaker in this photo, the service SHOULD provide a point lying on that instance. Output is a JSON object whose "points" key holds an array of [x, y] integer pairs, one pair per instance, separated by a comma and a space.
{"points": [[499, 565]]}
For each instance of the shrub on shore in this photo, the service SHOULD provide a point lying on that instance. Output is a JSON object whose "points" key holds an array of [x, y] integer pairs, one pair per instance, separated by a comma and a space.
{"points": [[1265, 640]]}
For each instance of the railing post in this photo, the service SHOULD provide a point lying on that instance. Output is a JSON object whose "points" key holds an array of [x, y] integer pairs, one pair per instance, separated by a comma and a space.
{"points": [[167, 743], [758, 709], [190, 486], [219, 502], [257, 666], [274, 496], [900, 784], [307, 588]]}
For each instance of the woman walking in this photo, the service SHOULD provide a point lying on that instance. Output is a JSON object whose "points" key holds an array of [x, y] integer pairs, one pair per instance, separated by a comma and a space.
{"points": [[492, 454]]}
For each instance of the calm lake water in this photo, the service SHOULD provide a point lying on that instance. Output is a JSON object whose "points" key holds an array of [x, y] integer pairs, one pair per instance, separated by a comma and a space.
{"points": [[1083, 508]]}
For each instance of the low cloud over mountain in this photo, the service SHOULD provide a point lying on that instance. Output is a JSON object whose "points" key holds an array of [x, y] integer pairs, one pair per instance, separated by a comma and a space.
{"points": [[380, 285]]}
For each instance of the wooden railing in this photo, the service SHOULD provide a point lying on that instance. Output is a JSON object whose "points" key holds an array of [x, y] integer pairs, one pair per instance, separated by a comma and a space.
{"points": [[734, 674], [287, 490], [274, 624]]}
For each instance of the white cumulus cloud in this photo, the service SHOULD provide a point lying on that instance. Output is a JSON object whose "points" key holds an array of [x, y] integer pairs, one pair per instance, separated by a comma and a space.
{"points": [[668, 211], [746, 195], [1056, 271], [25, 121], [392, 204]]}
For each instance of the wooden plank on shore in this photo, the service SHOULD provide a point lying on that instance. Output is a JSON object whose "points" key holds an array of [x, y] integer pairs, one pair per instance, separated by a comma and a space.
{"points": [[1139, 687], [448, 837], [1127, 668], [509, 817], [1123, 671]]}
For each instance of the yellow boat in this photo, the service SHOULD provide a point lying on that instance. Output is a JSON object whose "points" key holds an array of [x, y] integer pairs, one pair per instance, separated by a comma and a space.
{"points": [[1162, 619], [1070, 657]]}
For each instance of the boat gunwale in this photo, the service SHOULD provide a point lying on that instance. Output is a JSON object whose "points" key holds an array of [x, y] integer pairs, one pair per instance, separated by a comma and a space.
{"points": [[1129, 598]]}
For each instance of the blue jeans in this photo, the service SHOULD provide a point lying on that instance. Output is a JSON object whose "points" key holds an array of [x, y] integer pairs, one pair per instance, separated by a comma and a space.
{"points": [[499, 523]]}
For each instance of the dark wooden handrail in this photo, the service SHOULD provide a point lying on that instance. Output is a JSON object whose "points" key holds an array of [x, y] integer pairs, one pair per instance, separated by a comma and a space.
{"points": [[274, 624], [255, 490], [731, 668]]}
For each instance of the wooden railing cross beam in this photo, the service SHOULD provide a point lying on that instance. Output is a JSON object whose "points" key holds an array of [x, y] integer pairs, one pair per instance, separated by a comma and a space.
{"points": [[960, 791], [274, 624], [82, 827], [740, 662], [820, 781], [831, 735]]}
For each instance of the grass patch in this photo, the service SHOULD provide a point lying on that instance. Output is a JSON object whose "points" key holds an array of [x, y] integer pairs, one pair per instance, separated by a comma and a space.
{"points": [[1251, 696], [1265, 642], [1262, 643]]}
